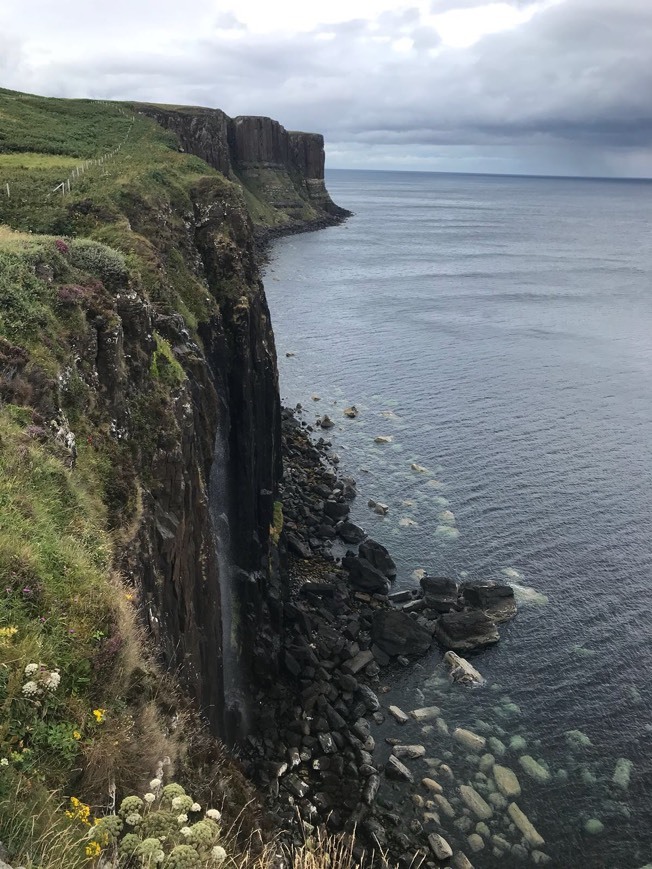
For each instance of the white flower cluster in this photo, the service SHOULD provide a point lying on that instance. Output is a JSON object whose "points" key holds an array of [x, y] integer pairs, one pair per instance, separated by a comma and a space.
{"points": [[213, 814], [218, 854], [45, 680], [195, 807]]}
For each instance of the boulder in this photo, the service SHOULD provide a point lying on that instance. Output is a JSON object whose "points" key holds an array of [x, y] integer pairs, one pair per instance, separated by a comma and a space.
{"points": [[476, 803], [397, 634], [526, 828], [350, 533], [493, 598], [440, 593], [461, 671], [466, 630], [439, 847], [378, 556], [351, 412], [397, 770], [336, 509], [298, 547], [469, 740], [410, 752], [534, 769], [426, 713], [506, 781], [399, 716], [325, 421], [364, 575], [377, 507]]}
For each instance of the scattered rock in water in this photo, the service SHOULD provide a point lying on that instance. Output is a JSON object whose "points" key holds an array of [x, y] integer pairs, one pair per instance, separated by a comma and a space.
{"points": [[487, 762], [525, 826], [383, 439], [444, 806], [594, 827], [419, 468], [439, 592], [377, 507], [497, 746], [349, 532], [406, 522], [517, 743], [426, 713], [469, 739], [506, 782], [494, 599], [476, 842], [461, 861], [447, 531], [534, 769], [351, 412], [462, 631], [461, 671], [622, 773], [439, 847], [396, 770], [432, 785], [539, 858], [526, 595], [399, 716], [480, 808], [446, 517], [576, 739], [410, 752], [325, 421], [497, 800], [290, 353]]}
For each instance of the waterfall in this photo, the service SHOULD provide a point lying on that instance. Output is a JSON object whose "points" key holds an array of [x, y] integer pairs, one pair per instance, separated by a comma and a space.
{"points": [[234, 712]]}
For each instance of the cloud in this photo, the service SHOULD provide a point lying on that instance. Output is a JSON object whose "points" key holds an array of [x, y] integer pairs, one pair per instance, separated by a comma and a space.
{"points": [[572, 84]]}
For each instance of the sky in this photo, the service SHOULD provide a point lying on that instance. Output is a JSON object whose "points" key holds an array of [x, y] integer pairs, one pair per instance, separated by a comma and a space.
{"points": [[507, 86]]}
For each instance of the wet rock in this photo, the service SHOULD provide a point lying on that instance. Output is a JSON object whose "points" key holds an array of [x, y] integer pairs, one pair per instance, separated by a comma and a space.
{"points": [[461, 861], [371, 788], [524, 825], [463, 672], [426, 713], [351, 412], [476, 842], [432, 785], [480, 808], [466, 630], [383, 439], [577, 740], [517, 743], [493, 598], [398, 634], [325, 421], [499, 748], [369, 698], [418, 468], [350, 533], [534, 769], [442, 727], [440, 593], [336, 509], [506, 781], [594, 827], [378, 507], [295, 786], [378, 556], [622, 773], [398, 714], [439, 847], [487, 762], [469, 740], [397, 770], [539, 858], [410, 752], [444, 806]]}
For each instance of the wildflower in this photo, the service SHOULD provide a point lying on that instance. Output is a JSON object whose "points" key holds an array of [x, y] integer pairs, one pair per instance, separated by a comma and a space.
{"points": [[78, 811], [76, 734], [133, 819], [52, 681], [61, 246], [30, 669], [185, 831], [8, 632], [182, 818], [30, 689], [195, 807], [99, 715], [4, 762], [129, 596], [92, 849], [203, 834], [218, 854], [155, 784], [213, 814], [129, 805], [149, 798]]}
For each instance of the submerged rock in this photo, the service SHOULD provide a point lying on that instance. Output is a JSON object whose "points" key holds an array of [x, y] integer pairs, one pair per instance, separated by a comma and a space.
{"points": [[525, 826], [426, 713], [506, 781], [622, 773], [594, 827], [534, 769], [480, 808], [461, 671], [469, 739], [577, 739], [439, 846], [397, 770]]}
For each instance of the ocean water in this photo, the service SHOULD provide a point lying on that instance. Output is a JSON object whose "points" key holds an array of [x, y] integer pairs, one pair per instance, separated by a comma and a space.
{"points": [[499, 330]]}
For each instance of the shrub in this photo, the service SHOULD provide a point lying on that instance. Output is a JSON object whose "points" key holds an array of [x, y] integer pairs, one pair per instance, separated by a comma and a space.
{"points": [[98, 259]]}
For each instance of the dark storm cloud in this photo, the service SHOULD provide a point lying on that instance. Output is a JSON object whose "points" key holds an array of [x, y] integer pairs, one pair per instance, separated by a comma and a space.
{"points": [[575, 78]]}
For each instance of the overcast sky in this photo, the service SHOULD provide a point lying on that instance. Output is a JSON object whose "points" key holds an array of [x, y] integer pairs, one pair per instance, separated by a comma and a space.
{"points": [[536, 86]]}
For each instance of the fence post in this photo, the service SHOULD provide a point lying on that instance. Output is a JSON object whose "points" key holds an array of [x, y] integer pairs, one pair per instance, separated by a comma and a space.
{"points": [[8, 193]]}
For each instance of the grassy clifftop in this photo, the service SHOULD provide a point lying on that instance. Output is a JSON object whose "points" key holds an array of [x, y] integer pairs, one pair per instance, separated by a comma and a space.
{"points": [[96, 279]]}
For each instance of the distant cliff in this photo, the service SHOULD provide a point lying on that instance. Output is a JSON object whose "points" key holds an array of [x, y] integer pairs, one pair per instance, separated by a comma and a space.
{"points": [[281, 171]]}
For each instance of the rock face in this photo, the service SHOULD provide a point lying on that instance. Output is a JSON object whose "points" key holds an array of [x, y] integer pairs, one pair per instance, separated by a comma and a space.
{"points": [[282, 170], [397, 634]]}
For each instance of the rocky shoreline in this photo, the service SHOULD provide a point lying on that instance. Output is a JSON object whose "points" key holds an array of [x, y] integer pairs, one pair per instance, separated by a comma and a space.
{"points": [[316, 756]]}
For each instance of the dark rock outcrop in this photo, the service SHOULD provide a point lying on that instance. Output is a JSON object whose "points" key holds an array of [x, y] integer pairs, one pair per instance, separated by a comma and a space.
{"points": [[494, 599], [462, 631], [398, 634], [378, 556], [440, 593]]}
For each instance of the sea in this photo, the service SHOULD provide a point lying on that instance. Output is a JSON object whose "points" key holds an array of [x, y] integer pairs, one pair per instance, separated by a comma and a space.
{"points": [[498, 332]]}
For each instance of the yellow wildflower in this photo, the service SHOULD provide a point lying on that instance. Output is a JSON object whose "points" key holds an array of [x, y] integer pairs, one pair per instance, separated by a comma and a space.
{"points": [[99, 715], [129, 596], [5, 633], [76, 734], [92, 849], [78, 811]]}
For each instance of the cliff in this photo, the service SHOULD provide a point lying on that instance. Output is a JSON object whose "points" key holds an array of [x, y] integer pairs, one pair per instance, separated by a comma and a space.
{"points": [[140, 424], [281, 172]]}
